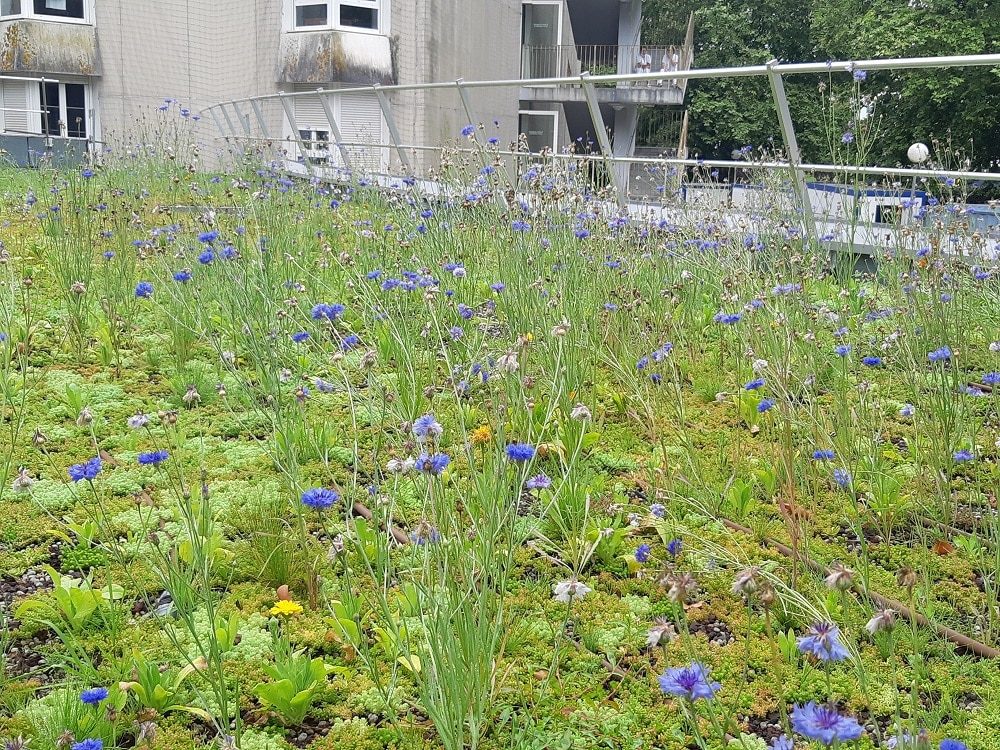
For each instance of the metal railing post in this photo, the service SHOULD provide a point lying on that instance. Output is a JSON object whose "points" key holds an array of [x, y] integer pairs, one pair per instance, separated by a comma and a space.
{"points": [[791, 148], [467, 105], [338, 139], [218, 122], [390, 122], [244, 121], [259, 114], [290, 114], [229, 121], [602, 137]]}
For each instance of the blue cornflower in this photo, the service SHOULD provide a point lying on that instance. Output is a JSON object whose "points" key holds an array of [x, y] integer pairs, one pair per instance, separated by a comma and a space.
{"points": [[842, 477], [153, 458], [183, 276], [871, 361], [427, 428], [456, 332], [520, 226], [432, 463], [657, 510], [783, 742], [143, 290], [907, 410], [498, 287], [327, 311], [691, 682], [520, 452], [939, 355], [765, 405], [952, 745], [206, 257], [350, 341], [108, 254], [87, 173], [300, 336], [727, 318], [754, 384], [642, 363], [847, 137], [674, 547], [823, 454], [465, 312], [319, 498], [467, 131], [963, 455], [642, 553], [824, 724], [207, 238], [88, 471], [88, 745], [991, 378], [93, 696], [842, 350], [538, 482], [822, 640], [860, 75]]}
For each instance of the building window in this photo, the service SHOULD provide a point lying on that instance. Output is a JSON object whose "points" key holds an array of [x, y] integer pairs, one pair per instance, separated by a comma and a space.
{"points": [[346, 14], [46, 10], [64, 109], [316, 145]]}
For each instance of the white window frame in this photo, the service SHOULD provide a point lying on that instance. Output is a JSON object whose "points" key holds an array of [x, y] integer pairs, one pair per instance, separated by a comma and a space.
{"points": [[28, 13], [559, 22], [381, 7], [88, 110], [554, 113]]}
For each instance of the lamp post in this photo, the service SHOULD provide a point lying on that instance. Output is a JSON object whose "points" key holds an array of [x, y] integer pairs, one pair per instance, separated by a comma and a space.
{"points": [[917, 153]]}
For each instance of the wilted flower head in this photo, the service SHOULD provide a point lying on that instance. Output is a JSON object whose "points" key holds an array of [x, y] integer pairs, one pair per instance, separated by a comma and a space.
{"points": [[661, 631], [569, 591], [681, 587], [508, 362], [424, 533], [747, 580], [137, 421], [883, 619], [580, 412], [840, 577], [22, 482]]}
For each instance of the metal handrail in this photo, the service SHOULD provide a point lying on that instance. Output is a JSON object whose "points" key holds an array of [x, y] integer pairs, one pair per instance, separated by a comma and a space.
{"points": [[774, 71]]}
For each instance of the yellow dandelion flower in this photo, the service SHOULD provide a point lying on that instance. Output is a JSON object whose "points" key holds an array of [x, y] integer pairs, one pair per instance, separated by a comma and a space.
{"points": [[286, 608], [481, 435]]}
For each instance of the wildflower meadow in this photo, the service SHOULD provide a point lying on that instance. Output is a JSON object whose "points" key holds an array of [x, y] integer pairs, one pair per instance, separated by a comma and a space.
{"points": [[295, 463]]}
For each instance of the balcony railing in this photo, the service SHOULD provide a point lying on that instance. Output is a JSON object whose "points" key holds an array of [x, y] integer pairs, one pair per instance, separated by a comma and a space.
{"points": [[563, 60]]}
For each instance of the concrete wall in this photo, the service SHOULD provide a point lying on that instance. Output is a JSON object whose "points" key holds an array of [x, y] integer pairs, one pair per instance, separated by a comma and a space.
{"points": [[441, 40]]}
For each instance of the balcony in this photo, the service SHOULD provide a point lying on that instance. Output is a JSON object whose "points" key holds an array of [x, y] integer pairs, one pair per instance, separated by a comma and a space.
{"points": [[44, 47], [570, 60]]}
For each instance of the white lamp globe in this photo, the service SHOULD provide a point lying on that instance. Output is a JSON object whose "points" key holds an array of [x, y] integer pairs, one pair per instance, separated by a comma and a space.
{"points": [[918, 153]]}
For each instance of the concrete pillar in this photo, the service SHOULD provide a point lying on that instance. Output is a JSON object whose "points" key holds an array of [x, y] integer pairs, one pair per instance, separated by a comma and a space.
{"points": [[626, 120], [629, 27]]}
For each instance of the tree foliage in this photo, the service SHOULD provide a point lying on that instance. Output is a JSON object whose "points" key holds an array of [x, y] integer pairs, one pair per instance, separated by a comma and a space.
{"points": [[955, 107]]}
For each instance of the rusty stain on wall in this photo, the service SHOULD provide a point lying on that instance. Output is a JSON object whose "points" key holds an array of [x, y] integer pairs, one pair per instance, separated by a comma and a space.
{"points": [[341, 56], [41, 47]]}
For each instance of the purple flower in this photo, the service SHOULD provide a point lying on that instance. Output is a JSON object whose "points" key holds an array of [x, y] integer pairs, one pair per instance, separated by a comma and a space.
{"points": [[88, 745], [939, 355], [674, 547], [847, 137], [432, 463], [952, 745], [871, 361], [319, 498], [520, 452], [93, 696], [427, 428], [642, 553], [657, 510], [326, 311], [962, 456], [860, 75], [300, 336], [765, 404], [467, 131], [842, 350], [143, 290], [824, 724], [206, 257], [154, 458], [823, 455], [822, 640], [88, 471], [691, 682], [784, 742], [754, 384], [538, 482], [183, 276], [842, 477]]}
